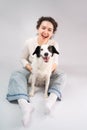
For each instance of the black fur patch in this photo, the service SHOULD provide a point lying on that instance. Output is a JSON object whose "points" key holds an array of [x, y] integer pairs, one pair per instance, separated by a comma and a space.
{"points": [[37, 51], [53, 50]]}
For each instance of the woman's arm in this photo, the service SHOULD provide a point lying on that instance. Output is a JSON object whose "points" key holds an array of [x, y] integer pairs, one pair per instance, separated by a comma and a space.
{"points": [[55, 64], [25, 57]]}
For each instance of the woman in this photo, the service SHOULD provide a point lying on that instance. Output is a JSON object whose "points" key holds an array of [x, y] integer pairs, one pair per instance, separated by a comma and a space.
{"points": [[17, 88]]}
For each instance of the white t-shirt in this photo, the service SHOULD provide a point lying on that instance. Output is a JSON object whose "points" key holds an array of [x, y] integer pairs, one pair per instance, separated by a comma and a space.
{"points": [[29, 48]]}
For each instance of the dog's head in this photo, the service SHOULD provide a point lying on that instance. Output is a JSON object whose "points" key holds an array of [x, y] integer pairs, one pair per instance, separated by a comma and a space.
{"points": [[45, 51]]}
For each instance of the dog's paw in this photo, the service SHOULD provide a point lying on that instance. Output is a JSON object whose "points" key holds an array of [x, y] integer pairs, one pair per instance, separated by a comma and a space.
{"points": [[45, 95], [31, 93]]}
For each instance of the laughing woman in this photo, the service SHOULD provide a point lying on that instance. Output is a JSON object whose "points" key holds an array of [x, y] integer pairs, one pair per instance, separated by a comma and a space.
{"points": [[17, 88]]}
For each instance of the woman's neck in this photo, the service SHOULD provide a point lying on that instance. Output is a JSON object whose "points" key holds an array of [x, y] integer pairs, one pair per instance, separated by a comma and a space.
{"points": [[41, 41]]}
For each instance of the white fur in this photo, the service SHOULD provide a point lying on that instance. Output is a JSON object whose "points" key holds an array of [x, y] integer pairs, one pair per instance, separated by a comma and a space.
{"points": [[41, 70]]}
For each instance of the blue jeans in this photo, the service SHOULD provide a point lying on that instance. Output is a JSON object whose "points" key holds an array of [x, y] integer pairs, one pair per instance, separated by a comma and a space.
{"points": [[18, 84]]}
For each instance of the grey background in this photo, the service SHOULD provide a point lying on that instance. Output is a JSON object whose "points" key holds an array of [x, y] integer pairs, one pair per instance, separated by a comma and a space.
{"points": [[17, 23]]}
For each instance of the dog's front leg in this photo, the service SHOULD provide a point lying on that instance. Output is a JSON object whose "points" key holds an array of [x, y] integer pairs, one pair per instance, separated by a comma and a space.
{"points": [[32, 86], [47, 86]]}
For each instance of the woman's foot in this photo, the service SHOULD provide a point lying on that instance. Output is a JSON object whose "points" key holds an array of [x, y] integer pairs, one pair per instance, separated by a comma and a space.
{"points": [[50, 102], [27, 114], [27, 110]]}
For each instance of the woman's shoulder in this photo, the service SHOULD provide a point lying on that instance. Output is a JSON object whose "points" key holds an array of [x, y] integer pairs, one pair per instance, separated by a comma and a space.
{"points": [[29, 40]]}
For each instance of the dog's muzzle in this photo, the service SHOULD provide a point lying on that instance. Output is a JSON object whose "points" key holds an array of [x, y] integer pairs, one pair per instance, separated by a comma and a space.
{"points": [[46, 57]]}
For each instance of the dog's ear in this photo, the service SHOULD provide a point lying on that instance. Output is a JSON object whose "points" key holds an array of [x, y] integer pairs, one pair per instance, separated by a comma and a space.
{"points": [[37, 51], [53, 50]]}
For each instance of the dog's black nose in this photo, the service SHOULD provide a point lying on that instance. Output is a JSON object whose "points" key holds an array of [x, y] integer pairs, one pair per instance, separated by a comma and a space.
{"points": [[46, 54]]}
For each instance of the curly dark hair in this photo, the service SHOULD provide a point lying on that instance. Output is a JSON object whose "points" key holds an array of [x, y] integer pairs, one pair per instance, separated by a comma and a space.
{"points": [[49, 19]]}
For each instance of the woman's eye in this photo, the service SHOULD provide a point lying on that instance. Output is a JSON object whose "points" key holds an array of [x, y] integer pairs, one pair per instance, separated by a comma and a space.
{"points": [[43, 28], [49, 30]]}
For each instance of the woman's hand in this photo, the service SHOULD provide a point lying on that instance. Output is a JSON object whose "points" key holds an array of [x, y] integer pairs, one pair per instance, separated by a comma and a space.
{"points": [[28, 67], [54, 67]]}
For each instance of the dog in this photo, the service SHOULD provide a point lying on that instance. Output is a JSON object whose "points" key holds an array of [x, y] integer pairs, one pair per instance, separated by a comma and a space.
{"points": [[42, 67]]}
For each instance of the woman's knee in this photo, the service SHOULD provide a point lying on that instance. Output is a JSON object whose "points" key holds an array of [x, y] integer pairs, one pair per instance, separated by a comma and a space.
{"points": [[20, 73]]}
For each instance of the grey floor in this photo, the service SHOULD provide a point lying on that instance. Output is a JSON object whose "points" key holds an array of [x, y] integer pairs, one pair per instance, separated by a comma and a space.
{"points": [[70, 113]]}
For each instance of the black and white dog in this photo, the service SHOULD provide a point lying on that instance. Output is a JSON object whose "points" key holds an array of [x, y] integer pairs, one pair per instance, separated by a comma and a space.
{"points": [[42, 67]]}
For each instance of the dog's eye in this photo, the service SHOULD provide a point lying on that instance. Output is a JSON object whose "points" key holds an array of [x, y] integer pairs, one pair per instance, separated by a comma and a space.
{"points": [[50, 48], [41, 49]]}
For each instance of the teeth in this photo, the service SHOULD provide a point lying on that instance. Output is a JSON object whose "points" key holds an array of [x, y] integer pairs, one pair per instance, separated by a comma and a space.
{"points": [[44, 36], [46, 59]]}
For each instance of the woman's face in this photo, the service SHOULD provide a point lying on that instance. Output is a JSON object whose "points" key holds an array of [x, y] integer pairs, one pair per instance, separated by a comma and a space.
{"points": [[45, 31]]}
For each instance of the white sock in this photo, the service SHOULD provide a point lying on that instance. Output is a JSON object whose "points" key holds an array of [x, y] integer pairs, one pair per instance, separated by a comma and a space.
{"points": [[50, 101], [26, 111]]}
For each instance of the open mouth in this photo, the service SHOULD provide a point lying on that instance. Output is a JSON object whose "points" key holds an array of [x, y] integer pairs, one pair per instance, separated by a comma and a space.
{"points": [[46, 58], [44, 36]]}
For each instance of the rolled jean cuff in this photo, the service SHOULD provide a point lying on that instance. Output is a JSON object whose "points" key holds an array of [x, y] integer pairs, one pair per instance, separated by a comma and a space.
{"points": [[57, 92], [15, 97]]}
